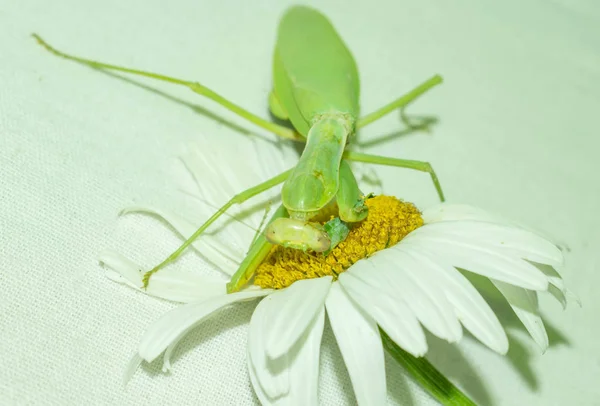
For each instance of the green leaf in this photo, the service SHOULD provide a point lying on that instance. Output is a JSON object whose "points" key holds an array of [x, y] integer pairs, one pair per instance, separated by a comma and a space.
{"points": [[426, 375], [337, 230]]}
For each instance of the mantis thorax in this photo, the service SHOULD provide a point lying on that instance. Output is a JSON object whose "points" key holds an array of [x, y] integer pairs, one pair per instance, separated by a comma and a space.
{"points": [[313, 183], [345, 119]]}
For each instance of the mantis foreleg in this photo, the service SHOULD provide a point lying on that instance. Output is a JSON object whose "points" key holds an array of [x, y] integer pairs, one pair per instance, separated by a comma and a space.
{"points": [[259, 250], [400, 163], [196, 87], [349, 199], [237, 199]]}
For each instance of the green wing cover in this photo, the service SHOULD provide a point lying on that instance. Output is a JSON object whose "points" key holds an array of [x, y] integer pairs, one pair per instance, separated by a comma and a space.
{"points": [[314, 72]]}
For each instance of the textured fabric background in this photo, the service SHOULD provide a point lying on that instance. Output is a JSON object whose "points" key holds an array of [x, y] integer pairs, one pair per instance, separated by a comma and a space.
{"points": [[517, 135]]}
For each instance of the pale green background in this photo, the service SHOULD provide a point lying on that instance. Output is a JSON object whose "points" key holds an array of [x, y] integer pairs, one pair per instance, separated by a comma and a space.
{"points": [[518, 134]]}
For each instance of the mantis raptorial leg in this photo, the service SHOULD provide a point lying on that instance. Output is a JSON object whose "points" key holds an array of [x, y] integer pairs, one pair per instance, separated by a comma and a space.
{"points": [[237, 199], [259, 250], [196, 87]]}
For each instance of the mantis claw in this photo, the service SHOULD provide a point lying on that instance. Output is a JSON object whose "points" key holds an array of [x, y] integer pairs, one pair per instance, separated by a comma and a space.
{"points": [[146, 277]]}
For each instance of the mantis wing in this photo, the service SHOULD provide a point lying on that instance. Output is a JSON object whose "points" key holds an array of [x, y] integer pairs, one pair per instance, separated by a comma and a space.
{"points": [[313, 70]]}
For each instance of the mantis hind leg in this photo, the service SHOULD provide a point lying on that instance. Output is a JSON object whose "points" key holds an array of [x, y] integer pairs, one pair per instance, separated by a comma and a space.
{"points": [[196, 87], [400, 103], [237, 199], [400, 163]]}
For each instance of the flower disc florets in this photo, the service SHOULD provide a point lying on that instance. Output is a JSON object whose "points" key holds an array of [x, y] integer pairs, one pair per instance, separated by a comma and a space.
{"points": [[389, 220]]}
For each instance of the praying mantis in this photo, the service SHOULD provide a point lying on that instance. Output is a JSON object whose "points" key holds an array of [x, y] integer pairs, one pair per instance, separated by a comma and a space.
{"points": [[316, 89]]}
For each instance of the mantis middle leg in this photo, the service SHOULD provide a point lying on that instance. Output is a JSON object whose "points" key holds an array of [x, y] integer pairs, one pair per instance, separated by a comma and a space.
{"points": [[237, 199], [400, 163]]}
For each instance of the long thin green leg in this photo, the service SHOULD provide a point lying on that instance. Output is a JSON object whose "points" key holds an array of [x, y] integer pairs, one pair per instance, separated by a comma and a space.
{"points": [[237, 199], [400, 163], [401, 102], [260, 226], [194, 86]]}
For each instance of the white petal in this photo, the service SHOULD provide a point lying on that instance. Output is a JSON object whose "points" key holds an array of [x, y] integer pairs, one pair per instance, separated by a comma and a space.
{"points": [[525, 304], [558, 295], [358, 337], [258, 389], [125, 271], [167, 356], [132, 366], [304, 371], [557, 286], [297, 377], [459, 212], [553, 276], [468, 304], [184, 286], [291, 310], [270, 377], [176, 323], [207, 245], [472, 256], [409, 279], [391, 313], [496, 237], [169, 284]]}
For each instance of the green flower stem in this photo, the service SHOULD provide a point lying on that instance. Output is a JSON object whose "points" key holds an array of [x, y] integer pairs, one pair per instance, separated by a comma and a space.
{"points": [[426, 375]]}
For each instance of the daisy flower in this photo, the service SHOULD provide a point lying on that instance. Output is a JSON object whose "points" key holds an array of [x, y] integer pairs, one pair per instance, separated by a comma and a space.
{"points": [[400, 270]]}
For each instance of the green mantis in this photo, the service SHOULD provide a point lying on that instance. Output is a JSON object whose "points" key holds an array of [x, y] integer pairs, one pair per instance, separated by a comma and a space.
{"points": [[316, 88]]}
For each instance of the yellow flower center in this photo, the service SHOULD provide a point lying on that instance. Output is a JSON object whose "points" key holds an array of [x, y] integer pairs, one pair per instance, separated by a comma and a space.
{"points": [[389, 221]]}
